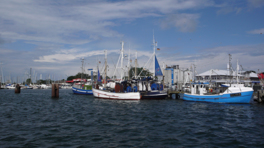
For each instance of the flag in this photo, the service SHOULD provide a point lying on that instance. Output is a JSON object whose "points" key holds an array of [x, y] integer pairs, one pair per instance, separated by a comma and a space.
{"points": [[98, 76], [158, 48]]}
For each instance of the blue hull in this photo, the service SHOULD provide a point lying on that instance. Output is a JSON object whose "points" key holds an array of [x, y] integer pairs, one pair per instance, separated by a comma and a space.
{"points": [[245, 97], [82, 91]]}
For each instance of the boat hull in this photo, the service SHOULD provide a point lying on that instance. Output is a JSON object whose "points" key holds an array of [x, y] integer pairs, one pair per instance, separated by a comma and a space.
{"points": [[245, 97], [116, 96], [153, 95], [81, 91]]}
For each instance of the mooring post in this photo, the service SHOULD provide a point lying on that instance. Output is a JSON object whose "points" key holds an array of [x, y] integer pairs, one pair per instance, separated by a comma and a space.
{"points": [[177, 96], [17, 89], [55, 91]]}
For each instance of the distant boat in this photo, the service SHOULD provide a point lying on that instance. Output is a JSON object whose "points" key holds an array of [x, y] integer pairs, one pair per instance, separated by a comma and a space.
{"points": [[26, 87], [81, 88], [10, 86], [228, 93], [121, 91], [44, 86]]}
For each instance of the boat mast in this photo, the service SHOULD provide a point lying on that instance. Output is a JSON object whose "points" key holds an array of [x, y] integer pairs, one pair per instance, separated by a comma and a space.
{"points": [[230, 68], [105, 67], [237, 71], [2, 76], [82, 60], [128, 64], [122, 58], [136, 66], [154, 47]]}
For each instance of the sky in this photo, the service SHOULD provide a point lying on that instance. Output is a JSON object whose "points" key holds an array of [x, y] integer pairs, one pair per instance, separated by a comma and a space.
{"points": [[52, 37]]}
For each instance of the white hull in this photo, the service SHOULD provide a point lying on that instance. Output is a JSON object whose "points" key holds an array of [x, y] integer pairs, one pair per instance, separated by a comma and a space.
{"points": [[116, 96], [10, 87]]}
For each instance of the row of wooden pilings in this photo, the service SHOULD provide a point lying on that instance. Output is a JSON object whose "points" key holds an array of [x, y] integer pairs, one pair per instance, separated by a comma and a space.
{"points": [[54, 90]]}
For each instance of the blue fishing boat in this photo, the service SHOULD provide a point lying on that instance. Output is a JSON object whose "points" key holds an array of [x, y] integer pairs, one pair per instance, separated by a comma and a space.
{"points": [[82, 90], [83, 87], [229, 93]]}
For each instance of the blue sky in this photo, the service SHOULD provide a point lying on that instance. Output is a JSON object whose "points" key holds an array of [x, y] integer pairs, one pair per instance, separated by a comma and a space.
{"points": [[51, 36]]}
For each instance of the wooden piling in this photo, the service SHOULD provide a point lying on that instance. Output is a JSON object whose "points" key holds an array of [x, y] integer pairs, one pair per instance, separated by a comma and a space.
{"points": [[177, 96], [55, 91], [17, 89]]}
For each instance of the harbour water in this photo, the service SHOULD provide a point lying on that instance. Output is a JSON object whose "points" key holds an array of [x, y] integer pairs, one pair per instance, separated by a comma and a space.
{"points": [[33, 119]]}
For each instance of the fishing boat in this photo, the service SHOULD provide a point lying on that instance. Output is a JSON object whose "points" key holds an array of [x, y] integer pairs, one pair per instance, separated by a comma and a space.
{"points": [[227, 93], [83, 87], [148, 87], [224, 93], [121, 91]]}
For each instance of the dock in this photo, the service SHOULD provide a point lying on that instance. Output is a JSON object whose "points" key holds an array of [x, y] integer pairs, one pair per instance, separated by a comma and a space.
{"points": [[259, 96], [176, 92]]}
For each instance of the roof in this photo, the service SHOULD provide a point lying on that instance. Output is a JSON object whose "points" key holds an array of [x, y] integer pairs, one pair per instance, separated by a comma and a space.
{"points": [[253, 75], [217, 72]]}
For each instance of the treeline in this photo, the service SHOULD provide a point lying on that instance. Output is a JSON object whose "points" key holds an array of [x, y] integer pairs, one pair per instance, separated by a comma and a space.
{"points": [[79, 75]]}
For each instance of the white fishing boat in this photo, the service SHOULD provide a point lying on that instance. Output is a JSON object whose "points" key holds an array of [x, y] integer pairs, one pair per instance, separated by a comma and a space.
{"points": [[106, 94], [119, 93]]}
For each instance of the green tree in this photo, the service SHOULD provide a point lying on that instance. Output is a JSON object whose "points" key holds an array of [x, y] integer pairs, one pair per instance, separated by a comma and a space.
{"points": [[79, 75], [28, 81], [145, 72]]}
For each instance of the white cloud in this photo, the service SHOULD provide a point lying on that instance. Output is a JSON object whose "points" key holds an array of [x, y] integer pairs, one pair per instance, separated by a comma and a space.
{"points": [[256, 3], [257, 31], [79, 22], [184, 22], [250, 57]]}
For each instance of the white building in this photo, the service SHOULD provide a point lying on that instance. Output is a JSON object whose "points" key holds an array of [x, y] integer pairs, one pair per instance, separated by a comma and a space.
{"points": [[174, 75], [224, 76]]}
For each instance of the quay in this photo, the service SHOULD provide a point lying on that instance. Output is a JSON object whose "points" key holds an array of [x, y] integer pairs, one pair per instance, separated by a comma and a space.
{"points": [[177, 93]]}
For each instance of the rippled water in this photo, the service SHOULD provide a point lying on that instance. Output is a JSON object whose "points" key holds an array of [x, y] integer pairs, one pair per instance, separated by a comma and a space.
{"points": [[33, 119]]}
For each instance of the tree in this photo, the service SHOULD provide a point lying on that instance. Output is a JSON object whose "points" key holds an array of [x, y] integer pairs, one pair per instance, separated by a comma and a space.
{"points": [[145, 72], [28, 81], [79, 75]]}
